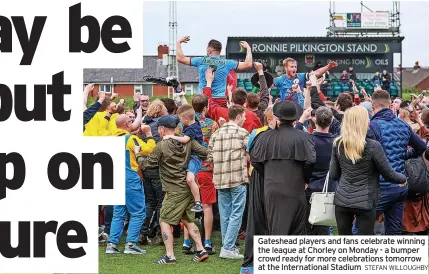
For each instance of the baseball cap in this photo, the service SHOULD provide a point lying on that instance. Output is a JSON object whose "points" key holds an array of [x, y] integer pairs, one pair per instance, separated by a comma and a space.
{"points": [[169, 121]]}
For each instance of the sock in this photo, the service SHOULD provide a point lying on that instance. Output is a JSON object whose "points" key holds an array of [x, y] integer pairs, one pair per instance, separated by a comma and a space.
{"points": [[198, 202], [207, 242], [187, 242]]}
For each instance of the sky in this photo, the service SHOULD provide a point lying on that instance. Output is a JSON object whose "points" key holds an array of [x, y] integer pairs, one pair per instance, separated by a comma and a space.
{"points": [[203, 21]]}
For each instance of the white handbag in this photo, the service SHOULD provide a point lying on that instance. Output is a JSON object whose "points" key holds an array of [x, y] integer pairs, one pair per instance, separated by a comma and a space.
{"points": [[322, 210]]}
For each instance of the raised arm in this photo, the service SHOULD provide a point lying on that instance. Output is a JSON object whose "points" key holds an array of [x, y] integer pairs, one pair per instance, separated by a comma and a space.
{"points": [[89, 113], [314, 93], [264, 94], [307, 95], [181, 58], [247, 64], [138, 121], [325, 69], [86, 91]]}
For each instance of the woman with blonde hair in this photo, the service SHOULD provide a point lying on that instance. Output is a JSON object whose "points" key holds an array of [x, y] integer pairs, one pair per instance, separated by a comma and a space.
{"points": [[155, 111], [357, 163]]}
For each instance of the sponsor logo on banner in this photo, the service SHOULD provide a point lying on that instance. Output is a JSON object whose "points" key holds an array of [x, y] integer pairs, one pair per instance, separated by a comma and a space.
{"points": [[375, 20], [353, 20], [310, 60], [365, 62]]}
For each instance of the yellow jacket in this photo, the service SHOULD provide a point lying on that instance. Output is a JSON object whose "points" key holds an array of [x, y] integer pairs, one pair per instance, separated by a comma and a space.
{"points": [[145, 148], [253, 134], [99, 126]]}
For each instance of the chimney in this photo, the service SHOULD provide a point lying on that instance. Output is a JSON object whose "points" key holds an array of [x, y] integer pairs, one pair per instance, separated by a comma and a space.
{"points": [[162, 49]]}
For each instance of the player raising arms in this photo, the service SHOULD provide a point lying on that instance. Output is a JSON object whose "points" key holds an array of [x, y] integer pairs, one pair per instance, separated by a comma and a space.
{"points": [[221, 67]]}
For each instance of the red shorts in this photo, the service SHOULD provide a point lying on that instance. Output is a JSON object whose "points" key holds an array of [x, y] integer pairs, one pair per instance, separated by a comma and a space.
{"points": [[207, 189], [221, 101]]}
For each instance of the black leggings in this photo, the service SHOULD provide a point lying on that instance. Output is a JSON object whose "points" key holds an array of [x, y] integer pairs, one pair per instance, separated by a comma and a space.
{"points": [[365, 220]]}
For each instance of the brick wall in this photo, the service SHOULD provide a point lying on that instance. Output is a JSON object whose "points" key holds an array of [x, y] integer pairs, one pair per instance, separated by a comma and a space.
{"points": [[424, 85], [159, 90], [122, 90], [128, 90]]}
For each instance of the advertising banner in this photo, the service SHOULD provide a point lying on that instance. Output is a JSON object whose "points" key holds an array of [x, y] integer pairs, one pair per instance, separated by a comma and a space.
{"points": [[354, 20], [375, 20], [306, 62], [260, 46]]}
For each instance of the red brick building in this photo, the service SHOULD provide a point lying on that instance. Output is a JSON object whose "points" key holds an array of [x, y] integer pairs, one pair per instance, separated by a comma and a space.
{"points": [[127, 82], [418, 78]]}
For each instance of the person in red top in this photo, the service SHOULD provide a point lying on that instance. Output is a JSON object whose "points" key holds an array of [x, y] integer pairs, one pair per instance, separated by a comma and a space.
{"points": [[239, 97]]}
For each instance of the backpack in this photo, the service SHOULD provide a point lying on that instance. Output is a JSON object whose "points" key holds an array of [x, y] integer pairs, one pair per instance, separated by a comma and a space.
{"points": [[418, 177]]}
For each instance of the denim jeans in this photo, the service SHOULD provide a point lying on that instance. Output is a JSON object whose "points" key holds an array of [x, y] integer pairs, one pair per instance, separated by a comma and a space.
{"points": [[135, 206], [231, 207], [392, 206], [108, 216]]}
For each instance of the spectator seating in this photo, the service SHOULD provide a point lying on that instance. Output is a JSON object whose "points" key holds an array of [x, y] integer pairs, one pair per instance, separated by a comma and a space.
{"points": [[332, 89]]}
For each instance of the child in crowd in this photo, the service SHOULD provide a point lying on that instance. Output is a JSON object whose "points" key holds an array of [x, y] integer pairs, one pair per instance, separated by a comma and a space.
{"points": [[191, 130]]}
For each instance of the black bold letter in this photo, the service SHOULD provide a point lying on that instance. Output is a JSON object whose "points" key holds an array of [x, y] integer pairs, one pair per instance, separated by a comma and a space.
{"points": [[22, 250], [54, 171], [28, 45], [58, 90], [40, 230], [108, 33], [63, 239], [88, 162], [6, 102], [5, 34], [75, 26], [39, 110], [18, 172]]}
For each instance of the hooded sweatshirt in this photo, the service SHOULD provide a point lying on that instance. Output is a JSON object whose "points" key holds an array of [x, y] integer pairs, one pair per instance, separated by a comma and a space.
{"points": [[172, 158]]}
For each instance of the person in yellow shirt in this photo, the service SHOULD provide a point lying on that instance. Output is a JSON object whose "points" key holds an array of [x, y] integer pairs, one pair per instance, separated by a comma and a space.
{"points": [[104, 121], [134, 193]]}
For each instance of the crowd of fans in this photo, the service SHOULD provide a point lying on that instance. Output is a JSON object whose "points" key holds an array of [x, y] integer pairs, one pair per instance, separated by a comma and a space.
{"points": [[249, 158]]}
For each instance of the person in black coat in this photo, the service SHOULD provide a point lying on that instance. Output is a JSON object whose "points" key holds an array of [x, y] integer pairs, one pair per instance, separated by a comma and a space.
{"points": [[357, 163], [284, 158], [385, 78]]}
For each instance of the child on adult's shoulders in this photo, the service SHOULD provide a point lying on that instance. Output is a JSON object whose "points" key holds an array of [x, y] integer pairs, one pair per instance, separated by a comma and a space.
{"points": [[191, 130]]}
